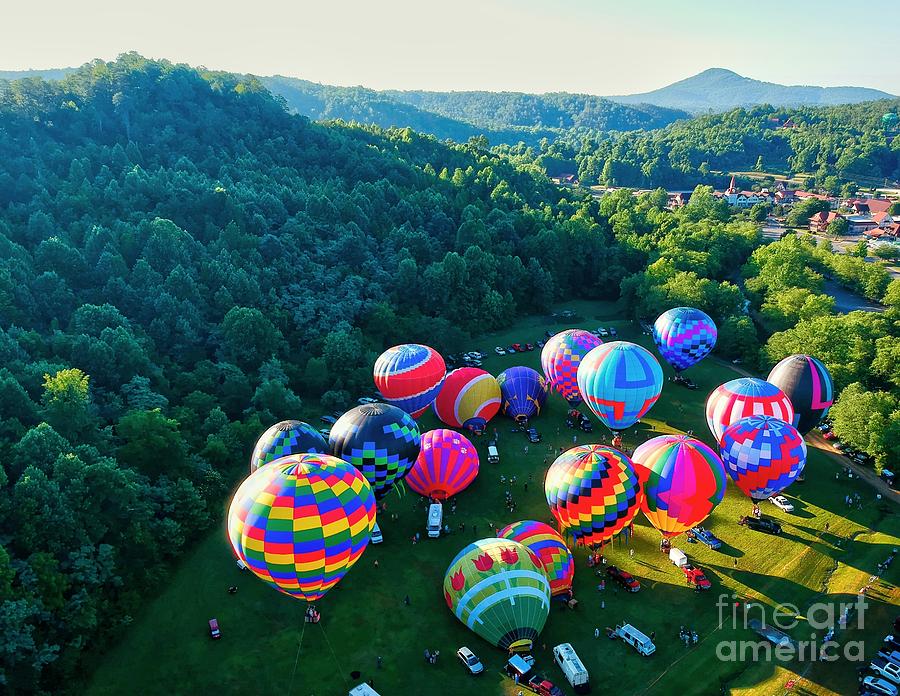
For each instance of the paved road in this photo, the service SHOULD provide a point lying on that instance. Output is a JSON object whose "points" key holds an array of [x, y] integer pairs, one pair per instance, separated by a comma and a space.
{"points": [[814, 439]]}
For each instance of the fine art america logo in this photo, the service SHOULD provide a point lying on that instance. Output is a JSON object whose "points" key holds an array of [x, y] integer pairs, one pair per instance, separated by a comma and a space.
{"points": [[772, 624]]}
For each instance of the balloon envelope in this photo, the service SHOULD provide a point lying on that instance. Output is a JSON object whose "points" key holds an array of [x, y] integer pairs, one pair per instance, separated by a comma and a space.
{"points": [[560, 358], [284, 438], [497, 587], [469, 397], [546, 543], [409, 376], [807, 383], [593, 492], [746, 396], [380, 440], [683, 480], [301, 522], [620, 382], [447, 464], [763, 455], [522, 392], [684, 336]]}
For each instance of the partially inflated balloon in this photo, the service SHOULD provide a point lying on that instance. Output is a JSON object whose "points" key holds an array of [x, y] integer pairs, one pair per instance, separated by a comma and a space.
{"points": [[409, 376], [807, 383], [593, 492], [560, 358], [763, 455], [620, 382], [497, 588], [301, 522], [546, 543], [447, 464], [378, 439], [284, 438], [469, 398], [523, 392], [746, 396], [683, 481], [684, 336]]}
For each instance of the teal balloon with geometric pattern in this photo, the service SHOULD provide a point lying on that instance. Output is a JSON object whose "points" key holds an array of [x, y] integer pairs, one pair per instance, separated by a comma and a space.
{"points": [[284, 439]]}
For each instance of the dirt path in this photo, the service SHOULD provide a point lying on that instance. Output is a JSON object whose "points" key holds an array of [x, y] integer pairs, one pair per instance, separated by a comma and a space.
{"points": [[815, 439]]}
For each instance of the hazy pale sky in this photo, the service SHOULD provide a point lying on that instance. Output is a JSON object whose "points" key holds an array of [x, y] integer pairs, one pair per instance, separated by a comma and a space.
{"points": [[591, 46]]}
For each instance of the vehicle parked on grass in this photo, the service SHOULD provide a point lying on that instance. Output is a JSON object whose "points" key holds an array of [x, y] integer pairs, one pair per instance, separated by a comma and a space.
{"points": [[548, 333], [363, 690], [678, 557], [612, 331], [499, 351], [829, 435], [891, 655], [214, 631], [240, 564], [469, 659], [879, 686], [325, 432], [533, 435], [376, 536], [493, 455], [363, 400], [529, 346], [435, 520], [886, 669], [761, 524], [572, 667], [517, 347], [624, 578], [695, 577], [601, 331], [888, 477], [705, 536], [511, 349], [781, 503], [629, 634], [521, 668]]}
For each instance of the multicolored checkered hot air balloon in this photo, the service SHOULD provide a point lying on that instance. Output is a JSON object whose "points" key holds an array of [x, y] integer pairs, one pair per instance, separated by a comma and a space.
{"points": [[284, 438], [523, 392], [684, 336], [620, 382], [447, 464], [546, 543], [497, 588], [301, 522], [560, 358], [380, 440], [746, 396], [807, 383], [469, 398], [593, 492], [409, 376], [763, 455], [683, 480]]}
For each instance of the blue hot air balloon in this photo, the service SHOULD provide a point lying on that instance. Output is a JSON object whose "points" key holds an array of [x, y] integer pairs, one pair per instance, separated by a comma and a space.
{"points": [[684, 336], [522, 392]]}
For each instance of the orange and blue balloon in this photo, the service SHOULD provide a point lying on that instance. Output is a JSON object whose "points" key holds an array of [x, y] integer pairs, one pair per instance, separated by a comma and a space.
{"points": [[546, 543], [560, 358], [409, 376], [447, 464], [763, 455], [742, 397], [523, 392], [807, 383], [684, 336]]}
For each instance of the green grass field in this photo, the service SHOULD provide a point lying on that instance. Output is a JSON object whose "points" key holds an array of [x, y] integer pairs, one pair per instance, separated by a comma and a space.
{"points": [[167, 650]]}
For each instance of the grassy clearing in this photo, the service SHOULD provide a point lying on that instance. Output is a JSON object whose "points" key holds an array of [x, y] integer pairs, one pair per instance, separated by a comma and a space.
{"points": [[167, 650]]}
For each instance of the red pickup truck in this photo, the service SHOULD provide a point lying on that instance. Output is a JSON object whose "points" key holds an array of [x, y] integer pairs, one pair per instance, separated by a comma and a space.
{"points": [[695, 577]]}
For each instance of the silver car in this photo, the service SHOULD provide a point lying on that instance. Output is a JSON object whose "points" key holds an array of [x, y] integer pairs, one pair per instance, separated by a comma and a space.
{"points": [[470, 660]]}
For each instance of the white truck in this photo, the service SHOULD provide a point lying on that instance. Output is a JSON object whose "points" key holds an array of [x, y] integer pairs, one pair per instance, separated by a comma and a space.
{"points": [[637, 640], [572, 666], [678, 557], [435, 520]]}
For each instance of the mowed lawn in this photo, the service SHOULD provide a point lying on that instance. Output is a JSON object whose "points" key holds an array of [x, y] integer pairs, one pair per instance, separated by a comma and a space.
{"points": [[167, 650]]}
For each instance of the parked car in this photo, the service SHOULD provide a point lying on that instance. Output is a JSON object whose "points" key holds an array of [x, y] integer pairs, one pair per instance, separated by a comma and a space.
{"points": [[613, 332], [517, 347], [214, 631], [824, 427], [499, 351], [540, 344], [548, 333], [469, 660], [888, 477], [328, 420], [886, 668], [829, 435], [511, 349], [762, 524], [879, 686], [624, 578], [533, 435], [240, 564], [705, 536], [363, 400], [694, 576], [586, 425], [600, 331], [376, 537], [325, 432], [529, 346], [781, 503]]}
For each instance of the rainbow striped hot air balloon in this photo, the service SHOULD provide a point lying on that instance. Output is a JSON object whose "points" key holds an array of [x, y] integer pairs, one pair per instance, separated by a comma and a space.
{"points": [[683, 480], [301, 522], [284, 438], [807, 383], [560, 358], [763, 455], [684, 336], [409, 376], [447, 464], [523, 392], [497, 587], [620, 382], [593, 492], [546, 543], [469, 398], [746, 396]]}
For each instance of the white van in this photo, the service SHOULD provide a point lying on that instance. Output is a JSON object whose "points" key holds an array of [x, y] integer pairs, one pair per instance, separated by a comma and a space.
{"points": [[435, 519], [678, 557], [572, 667], [363, 690], [493, 455], [635, 639]]}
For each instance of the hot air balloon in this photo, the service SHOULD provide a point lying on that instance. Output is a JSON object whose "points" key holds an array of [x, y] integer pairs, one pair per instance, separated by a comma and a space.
{"points": [[683, 480], [522, 392], [284, 438], [560, 358], [763, 455], [301, 522], [620, 382], [593, 492], [746, 396], [684, 336], [497, 587], [447, 464], [546, 543], [469, 398], [807, 383], [409, 376], [380, 440]]}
